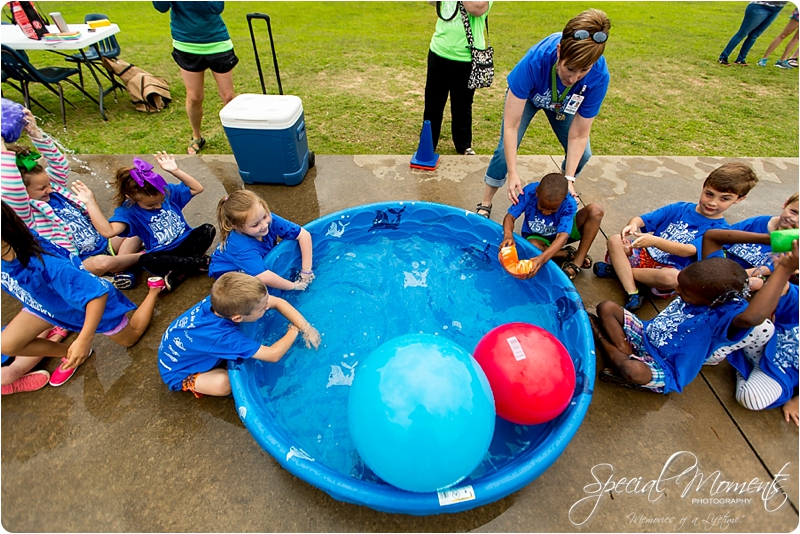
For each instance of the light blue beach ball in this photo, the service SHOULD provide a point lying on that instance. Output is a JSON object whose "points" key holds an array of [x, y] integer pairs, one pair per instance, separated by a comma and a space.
{"points": [[421, 412]]}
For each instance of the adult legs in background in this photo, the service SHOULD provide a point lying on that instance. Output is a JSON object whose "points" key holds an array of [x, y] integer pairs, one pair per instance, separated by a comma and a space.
{"points": [[437, 87], [771, 15], [461, 98], [225, 86], [754, 16], [195, 93], [786, 32]]}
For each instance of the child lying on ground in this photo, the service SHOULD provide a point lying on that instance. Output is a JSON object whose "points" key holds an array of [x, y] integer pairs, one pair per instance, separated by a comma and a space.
{"points": [[552, 220], [196, 347], [665, 354]]}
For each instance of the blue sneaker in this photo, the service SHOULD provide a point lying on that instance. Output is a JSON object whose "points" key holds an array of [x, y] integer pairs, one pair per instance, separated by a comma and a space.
{"points": [[634, 302], [762, 62], [602, 269], [783, 64]]}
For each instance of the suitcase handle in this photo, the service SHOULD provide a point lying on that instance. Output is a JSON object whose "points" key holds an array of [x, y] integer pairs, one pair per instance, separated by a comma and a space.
{"points": [[265, 17]]}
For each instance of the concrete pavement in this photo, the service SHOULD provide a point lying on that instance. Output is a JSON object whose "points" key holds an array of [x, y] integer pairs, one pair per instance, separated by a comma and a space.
{"points": [[114, 450]]}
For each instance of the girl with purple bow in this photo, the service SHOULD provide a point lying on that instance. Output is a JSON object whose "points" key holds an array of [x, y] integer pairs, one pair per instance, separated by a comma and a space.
{"points": [[149, 208], [34, 186]]}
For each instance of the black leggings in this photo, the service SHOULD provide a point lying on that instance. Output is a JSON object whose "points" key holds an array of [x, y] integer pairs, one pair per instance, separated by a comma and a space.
{"points": [[188, 257], [449, 77]]}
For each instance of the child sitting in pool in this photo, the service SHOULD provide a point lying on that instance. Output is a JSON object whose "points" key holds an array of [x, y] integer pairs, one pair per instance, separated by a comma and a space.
{"points": [[748, 244], [197, 345], [39, 196], [55, 291], [666, 354], [248, 231], [553, 220], [151, 209]]}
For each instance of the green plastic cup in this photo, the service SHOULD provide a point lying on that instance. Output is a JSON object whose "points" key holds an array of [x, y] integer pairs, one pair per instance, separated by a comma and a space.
{"points": [[781, 240]]}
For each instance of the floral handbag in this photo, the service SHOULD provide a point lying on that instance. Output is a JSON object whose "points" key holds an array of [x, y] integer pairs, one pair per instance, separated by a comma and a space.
{"points": [[482, 73]]}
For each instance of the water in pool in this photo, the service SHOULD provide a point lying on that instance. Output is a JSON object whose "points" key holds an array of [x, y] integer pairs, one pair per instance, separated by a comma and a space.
{"points": [[368, 291]]}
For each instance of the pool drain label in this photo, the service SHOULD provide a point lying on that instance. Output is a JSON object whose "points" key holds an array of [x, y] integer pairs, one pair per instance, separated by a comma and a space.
{"points": [[453, 496], [516, 348]]}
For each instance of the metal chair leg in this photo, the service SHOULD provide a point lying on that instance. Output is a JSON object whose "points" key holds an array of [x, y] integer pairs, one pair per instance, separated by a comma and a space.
{"points": [[63, 107]]}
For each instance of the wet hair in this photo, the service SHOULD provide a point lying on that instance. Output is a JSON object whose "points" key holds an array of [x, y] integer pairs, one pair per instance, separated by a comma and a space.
{"points": [[791, 200], [236, 293], [128, 189], [736, 178], [715, 279], [19, 237], [553, 187], [232, 211], [585, 53], [26, 174]]}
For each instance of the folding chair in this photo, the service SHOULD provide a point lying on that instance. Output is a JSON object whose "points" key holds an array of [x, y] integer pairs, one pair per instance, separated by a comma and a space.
{"points": [[7, 80], [109, 47], [17, 66]]}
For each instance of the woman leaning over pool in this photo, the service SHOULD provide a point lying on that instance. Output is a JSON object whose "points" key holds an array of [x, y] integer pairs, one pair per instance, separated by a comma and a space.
{"points": [[566, 76]]}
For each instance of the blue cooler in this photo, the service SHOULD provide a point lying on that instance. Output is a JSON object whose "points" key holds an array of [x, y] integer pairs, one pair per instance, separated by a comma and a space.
{"points": [[267, 134]]}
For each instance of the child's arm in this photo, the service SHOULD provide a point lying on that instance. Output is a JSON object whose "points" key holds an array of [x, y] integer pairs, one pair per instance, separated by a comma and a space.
{"points": [[276, 351], [57, 165], [100, 222], [791, 411], [310, 334], [670, 247], [763, 305], [508, 230], [306, 255], [12, 189], [714, 239], [167, 162], [82, 346], [276, 281]]}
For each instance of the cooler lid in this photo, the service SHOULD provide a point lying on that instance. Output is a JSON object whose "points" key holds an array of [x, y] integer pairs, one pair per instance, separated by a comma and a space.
{"points": [[261, 112]]}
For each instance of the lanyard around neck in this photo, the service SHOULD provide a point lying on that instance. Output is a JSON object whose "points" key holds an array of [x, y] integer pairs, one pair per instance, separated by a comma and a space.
{"points": [[556, 97]]}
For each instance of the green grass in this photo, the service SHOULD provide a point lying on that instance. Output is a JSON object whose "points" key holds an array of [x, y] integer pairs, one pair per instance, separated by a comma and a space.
{"points": [[359, 68]]}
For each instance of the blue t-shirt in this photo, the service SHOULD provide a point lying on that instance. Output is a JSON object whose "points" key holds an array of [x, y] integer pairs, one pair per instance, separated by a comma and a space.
{"points": [[682, 336], [245, 253], [86, 238], [678, 222], [161, 229], [199, 341], [58, 289], [750, 254], [539, 224], [531, 79], [779, 360]]}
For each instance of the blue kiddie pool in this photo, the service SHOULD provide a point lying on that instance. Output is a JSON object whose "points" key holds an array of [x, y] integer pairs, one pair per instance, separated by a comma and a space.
{"points": [[387, 270]]}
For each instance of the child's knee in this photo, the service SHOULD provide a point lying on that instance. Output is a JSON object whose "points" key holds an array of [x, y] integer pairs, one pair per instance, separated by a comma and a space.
{"points": [[614, 242], [594, 212], [607, 308], [636, 372]]}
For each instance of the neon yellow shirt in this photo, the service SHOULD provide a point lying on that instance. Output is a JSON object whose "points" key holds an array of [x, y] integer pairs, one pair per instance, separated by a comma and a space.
{"points": [[450, 39]]}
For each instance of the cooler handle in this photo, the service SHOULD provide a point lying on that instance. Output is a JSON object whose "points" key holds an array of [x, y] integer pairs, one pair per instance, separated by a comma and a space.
{"points": [[301, 130], [265, 17]]}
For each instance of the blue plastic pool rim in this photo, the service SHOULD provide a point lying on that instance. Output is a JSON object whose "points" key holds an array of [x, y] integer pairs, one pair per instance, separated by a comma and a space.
{"points": [[488, 488]]}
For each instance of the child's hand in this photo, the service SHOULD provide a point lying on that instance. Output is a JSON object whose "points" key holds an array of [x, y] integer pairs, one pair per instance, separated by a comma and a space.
{"points": [[536, 264], [791, 412], [300, 285], [311, 337], [31, 128], [507, 242], [788, 260], [644, 240], [77, 353], [307, 277], [83, 192], [628, 230], [166, 161]]}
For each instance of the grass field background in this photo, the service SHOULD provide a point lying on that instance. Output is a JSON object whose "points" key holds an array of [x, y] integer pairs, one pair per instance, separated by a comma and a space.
{"points": [[359, 68]]}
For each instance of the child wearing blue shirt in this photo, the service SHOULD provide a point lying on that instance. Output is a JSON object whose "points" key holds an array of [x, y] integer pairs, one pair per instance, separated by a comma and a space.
{"points": [[195, 348], [552, 220], [665, 354], [56, 291], [652, 249], [150, 208], [747, 242], [248, 231]]}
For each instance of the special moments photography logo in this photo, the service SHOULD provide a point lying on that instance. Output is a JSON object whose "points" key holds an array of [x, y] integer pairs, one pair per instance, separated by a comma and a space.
{"points": [[681, 470]]}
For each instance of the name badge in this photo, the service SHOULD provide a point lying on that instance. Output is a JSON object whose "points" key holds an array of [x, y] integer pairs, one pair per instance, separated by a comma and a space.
{"points": [[573, 104]]}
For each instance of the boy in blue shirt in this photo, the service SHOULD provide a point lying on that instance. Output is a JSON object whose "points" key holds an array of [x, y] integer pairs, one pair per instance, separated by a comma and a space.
{"points": [[654, 247], [552, 220], [195, 348]]}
